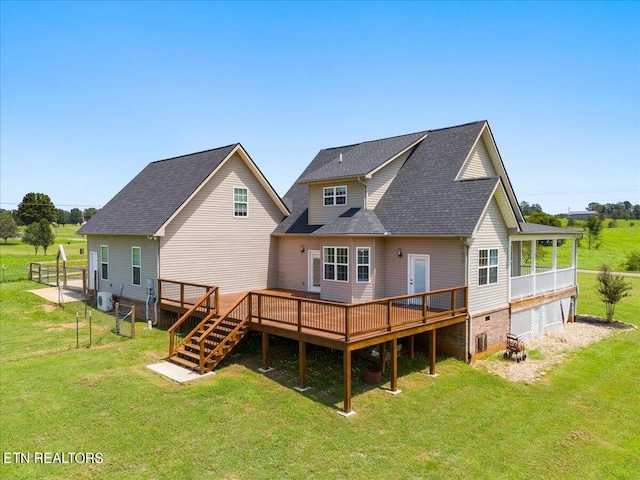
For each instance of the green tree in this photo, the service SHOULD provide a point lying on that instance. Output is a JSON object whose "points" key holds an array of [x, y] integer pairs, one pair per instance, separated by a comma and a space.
{"points": [[8, 227], [611, 288], [35, 207], [63, 217], [75, 216], [39, 234], [593, 227], [89, 212]]}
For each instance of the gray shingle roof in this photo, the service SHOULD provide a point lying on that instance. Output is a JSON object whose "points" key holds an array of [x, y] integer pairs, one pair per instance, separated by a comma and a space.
{"points": [[147, 201], [423, 199], [360, 159], [537, 229]]}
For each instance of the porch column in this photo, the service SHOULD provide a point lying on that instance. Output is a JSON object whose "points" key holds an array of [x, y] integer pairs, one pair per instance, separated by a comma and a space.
{"points": [[432, 352], [394, 365], [554, 263], [533, 264]]}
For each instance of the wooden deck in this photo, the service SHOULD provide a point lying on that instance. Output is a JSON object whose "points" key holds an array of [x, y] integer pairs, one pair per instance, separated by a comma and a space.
{"points": [[302, 316]]}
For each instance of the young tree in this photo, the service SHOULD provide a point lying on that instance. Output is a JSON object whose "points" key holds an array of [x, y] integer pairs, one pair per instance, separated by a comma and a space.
{"points": [[593, 227], [35, 207], [39, 234], [611, 288], [8, 227]]}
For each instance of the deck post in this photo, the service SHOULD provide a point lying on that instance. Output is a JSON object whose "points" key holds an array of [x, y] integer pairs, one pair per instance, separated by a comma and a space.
{"points": [[432, 352], [412, 347], [302, 354], [265, 351], [346, 364], [394, 365], [389, 308], [383, 356]]}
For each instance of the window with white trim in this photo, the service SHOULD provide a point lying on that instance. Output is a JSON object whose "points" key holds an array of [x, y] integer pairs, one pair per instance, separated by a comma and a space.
{"points": [[336, 264], [363, 256], [104, 262], [240, 202], [136, 265], [487, 266], [335, 195]]}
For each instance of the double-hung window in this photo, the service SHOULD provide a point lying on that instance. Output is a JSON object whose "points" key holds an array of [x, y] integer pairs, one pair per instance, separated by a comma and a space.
{"points": [[136, 265], [240, 202], [363, 255], [104, 262], [335, 195], [336, 264], [487, 266]]}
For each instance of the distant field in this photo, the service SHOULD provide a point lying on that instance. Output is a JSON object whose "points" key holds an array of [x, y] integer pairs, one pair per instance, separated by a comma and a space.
{"points": [[16, 255], [615, 243]]}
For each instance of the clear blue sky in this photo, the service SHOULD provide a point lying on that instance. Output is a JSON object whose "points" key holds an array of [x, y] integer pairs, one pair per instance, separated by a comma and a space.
{"points": [[92, 92]]}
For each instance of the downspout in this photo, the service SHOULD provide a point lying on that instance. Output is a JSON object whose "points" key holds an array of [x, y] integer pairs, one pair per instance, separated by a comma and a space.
{"points": [[365, 192], [466, 246]]}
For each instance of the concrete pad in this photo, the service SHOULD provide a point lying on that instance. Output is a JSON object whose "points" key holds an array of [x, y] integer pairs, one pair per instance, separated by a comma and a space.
{"points": [[344, 414], [393, 392], [51, 294], [301, 389], [176, 372]]}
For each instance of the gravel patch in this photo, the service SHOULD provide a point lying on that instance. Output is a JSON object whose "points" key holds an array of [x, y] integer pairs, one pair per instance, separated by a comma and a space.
{"points": [[551, 349]]}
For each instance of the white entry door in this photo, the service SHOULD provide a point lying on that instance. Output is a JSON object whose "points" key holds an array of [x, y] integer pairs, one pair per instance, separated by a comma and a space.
{"points": [[93, 269], [418, 280], [315, 271]]}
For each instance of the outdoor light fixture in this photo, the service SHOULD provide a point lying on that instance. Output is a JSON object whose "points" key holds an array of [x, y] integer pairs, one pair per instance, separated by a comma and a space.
{"points": [[399, 252], [302, 248]]}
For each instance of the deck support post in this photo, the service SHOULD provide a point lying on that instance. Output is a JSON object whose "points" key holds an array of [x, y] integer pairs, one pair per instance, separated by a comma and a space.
{"points": [[383, 356], [346, 369], [394, 366], [265, 353], [432, 352], [302, 354], [412, 347]]}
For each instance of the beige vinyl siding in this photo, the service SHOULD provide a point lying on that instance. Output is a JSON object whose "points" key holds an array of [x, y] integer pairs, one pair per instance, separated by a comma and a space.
{"points": [[319, 214], [292, 263], [492, 233], [377, 185], [120, 266], [446, 263], [479, 164], [205, 243]]}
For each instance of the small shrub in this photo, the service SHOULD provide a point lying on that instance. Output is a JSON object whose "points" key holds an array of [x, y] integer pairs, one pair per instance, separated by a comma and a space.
{"points": [[612, 224], [632, 263], [571, 222], [611, 288], [631, 224]]}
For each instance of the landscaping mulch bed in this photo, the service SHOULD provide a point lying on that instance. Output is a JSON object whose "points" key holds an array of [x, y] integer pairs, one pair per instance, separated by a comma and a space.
{"points": [[552, 348]]}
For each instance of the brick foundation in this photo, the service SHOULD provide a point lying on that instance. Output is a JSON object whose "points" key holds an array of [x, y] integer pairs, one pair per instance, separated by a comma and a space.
{"points": [[495, 325]]}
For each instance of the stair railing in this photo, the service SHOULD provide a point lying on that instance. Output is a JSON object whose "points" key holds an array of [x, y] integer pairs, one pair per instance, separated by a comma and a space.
{"points": [[236, 312], [211, 311]]}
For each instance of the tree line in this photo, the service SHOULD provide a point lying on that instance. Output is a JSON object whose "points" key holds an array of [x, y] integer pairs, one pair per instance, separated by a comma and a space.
{"points": [[38, 214]]}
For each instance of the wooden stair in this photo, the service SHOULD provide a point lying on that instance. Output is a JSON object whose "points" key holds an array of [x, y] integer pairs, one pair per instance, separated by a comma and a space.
{"points": [[209, 343]]}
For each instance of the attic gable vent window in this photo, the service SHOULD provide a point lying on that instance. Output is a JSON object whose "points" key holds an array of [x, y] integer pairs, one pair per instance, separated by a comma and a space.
{"points": [[240, 202], [335, 195]]}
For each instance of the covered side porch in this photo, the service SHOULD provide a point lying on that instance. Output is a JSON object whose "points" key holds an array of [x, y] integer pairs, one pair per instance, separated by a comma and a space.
{"points": [[542, 262]]}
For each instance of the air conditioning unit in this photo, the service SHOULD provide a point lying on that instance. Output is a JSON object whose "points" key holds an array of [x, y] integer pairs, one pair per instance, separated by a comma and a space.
{"points": [[105, 301]]}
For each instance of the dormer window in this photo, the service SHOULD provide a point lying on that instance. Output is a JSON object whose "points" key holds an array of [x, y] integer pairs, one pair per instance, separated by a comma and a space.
{"points": [[335, 195]]}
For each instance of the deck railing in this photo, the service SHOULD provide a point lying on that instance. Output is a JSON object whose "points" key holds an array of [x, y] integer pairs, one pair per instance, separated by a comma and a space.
{"points": [[350, 319], [185, 294], [182, 330]]}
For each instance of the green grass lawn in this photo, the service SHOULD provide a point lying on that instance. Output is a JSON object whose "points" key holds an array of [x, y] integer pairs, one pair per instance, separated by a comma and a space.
{"points": [[580, 421]]}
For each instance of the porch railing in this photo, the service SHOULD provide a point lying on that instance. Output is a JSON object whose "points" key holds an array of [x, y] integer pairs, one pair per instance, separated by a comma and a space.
{"points": [[201, 312], [541, 283], [351, 319]]}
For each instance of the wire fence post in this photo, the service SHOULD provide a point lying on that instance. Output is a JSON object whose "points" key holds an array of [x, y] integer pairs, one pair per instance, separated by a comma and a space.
{"points": [[90, 329], [77, 330], [117, 318], [133, 322]]}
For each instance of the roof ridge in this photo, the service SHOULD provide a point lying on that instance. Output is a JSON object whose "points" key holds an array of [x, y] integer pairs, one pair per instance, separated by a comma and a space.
{"points": [[196, 153]]}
